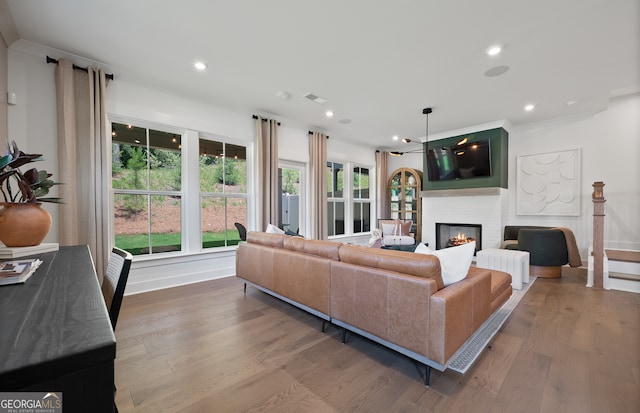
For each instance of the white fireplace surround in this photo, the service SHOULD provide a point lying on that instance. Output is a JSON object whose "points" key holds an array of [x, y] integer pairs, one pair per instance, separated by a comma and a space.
{"points": [[485, 206]]}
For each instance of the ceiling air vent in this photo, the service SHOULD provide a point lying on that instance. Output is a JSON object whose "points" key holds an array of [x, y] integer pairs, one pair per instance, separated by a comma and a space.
{"points": [[316, 98]]}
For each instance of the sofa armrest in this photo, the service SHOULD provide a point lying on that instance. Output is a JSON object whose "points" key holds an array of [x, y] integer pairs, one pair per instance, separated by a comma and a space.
{"points": [[456, 312], [254, 263]]}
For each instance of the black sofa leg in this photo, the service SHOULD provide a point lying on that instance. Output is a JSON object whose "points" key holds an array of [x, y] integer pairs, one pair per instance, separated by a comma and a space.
{"points": [[324, 325], [427, 376], [245, 288], [344, 335]]}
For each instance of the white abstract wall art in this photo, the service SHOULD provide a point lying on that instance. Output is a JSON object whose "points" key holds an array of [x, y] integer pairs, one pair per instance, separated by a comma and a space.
{"points": [[549, 183]]}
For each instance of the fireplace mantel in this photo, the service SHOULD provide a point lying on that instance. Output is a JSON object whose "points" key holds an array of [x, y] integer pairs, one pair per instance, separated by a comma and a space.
{"points": [[465, 192]]}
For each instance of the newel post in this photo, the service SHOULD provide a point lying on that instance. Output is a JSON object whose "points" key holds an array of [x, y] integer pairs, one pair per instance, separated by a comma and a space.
{"points": [[598, 233]]}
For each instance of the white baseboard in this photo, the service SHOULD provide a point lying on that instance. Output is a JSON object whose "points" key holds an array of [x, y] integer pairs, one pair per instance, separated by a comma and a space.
{"points": [[172, 271]]}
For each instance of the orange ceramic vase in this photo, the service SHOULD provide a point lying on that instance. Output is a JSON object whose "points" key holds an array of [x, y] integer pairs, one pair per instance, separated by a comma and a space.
{"points": [[23, 225]]}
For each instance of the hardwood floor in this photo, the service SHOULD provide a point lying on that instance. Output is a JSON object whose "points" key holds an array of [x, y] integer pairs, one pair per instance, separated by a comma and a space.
{"points": [[207, 347]]}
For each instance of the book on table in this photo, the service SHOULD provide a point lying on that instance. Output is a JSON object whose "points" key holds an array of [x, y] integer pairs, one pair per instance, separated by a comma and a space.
{"points": [[17, 271], [7, 253]]}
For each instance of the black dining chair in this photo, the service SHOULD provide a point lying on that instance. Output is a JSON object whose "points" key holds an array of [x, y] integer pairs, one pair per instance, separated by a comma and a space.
{"points": [[113, 285], [115, 281], [242, 231]]}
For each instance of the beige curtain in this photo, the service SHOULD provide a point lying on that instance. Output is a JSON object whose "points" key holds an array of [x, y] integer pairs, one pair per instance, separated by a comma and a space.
{"points": [[82, 160], [318, 166], [382, 177], [267, 180]]}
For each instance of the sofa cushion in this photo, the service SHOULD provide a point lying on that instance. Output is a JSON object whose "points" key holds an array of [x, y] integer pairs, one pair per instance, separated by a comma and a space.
{"points": [[398, 240], [454, 261], [266, 239], [510, 244], [419, 265], [500, 281], [324, 249]]}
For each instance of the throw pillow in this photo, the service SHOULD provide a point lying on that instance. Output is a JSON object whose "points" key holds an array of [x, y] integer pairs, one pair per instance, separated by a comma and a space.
{"points": [[389, 229], [376, 238], [405, 228], [423, 249], [454, 261], [272, 229]]}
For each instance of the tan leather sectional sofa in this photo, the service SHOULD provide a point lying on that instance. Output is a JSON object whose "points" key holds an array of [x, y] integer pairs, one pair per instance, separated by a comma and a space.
{"points": [[395, 298]]}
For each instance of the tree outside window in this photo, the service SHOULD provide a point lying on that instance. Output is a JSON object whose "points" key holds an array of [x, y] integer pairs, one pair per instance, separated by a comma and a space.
{"points": [[223, 192], [146, 178]]}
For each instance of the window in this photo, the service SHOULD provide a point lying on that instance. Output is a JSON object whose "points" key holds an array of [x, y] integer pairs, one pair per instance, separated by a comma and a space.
{"points": [[290, 179], [348, 196], [361, 202], [335, 197], [146, 178], [156, 210], [223, 192]]}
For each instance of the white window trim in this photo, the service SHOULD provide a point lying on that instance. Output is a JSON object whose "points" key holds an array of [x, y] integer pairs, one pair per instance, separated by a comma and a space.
{"points": [[303, 190], [349, 199], [190, 208], [197, 238]]}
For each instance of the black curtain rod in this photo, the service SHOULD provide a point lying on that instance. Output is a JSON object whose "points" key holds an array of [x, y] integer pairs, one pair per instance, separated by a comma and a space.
{"points": [[84, 69], [256, 117], [311, 133]]}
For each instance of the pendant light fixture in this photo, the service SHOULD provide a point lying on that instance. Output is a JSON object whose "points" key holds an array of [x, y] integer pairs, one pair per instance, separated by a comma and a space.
{"points": [[425, 111]]}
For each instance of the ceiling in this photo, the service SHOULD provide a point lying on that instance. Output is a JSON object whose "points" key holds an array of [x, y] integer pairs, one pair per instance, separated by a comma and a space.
{"points": [[377, 63]]}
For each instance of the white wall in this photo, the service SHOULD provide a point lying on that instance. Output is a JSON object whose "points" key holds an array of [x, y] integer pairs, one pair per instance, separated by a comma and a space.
{"points": [[610, 148], [32, 121]]}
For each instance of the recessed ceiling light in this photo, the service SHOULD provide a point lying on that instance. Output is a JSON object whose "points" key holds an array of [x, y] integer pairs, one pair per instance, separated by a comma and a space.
{"points": [[529, 107], [494, 50], [571, 102], [329, 113], [395, 137], [200, 65]]}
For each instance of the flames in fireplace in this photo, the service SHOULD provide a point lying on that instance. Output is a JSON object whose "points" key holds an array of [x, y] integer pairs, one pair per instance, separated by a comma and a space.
{"points": [[453, 235], [459, 239]]}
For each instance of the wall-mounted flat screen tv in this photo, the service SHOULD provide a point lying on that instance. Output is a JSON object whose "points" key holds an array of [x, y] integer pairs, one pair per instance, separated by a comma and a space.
{"points": [[459, 160]]}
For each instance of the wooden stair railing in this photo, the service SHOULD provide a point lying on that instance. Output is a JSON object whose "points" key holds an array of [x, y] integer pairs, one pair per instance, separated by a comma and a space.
{"points": [[598, 233]]}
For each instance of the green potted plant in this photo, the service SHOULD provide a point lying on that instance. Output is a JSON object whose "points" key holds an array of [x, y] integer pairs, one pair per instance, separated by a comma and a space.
{"points": [[22, 220]]}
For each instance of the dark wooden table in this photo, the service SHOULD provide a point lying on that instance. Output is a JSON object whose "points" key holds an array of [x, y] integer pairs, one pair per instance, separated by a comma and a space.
{"points": [[55, 333]]}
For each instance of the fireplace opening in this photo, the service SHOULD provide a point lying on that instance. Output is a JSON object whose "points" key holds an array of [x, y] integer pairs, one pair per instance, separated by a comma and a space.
{"points": [[451, 235]]}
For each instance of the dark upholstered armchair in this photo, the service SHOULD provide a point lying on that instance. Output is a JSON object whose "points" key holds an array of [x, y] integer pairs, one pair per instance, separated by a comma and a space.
{"points": [[549, 248]]}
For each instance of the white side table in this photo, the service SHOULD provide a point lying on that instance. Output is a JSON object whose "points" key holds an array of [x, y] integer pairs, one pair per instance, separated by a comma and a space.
{"points": [[513, 262]]}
